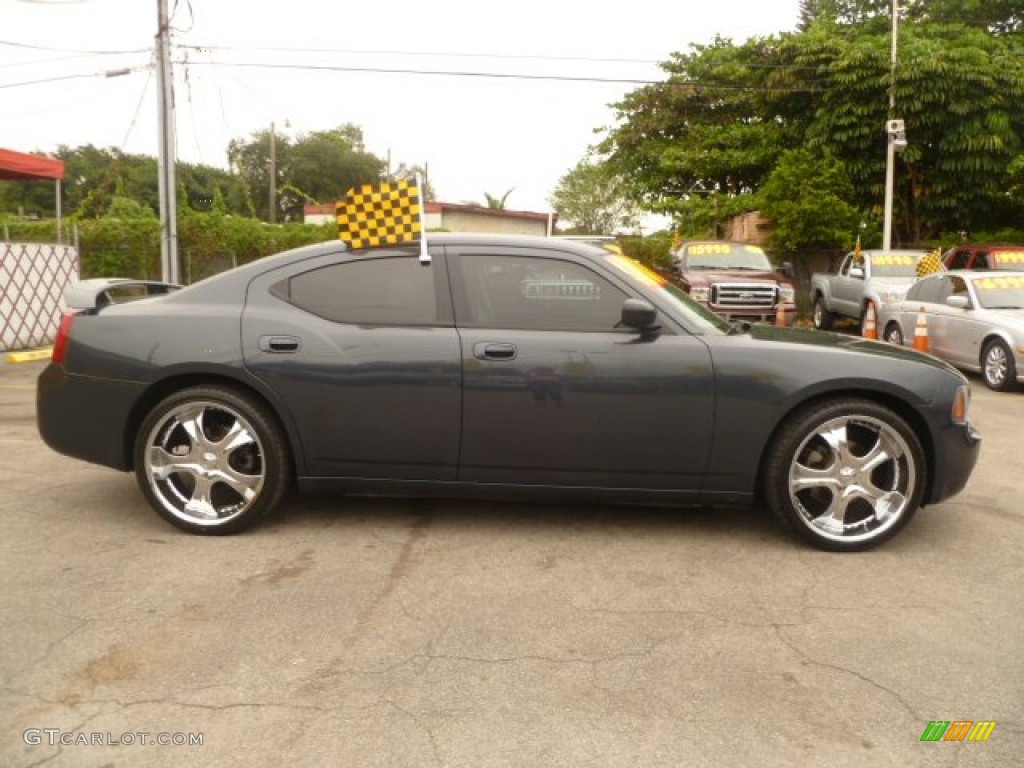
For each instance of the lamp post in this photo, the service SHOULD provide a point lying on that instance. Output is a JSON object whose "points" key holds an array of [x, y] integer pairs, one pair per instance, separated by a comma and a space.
{"points": [[895, 136]]}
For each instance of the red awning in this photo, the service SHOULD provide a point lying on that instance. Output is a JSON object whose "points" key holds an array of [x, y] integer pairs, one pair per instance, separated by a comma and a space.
{"points": [[18, 165]]}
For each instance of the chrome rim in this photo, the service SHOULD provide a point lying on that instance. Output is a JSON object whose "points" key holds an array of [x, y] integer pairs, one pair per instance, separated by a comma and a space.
{"points": [[995, 365], [852, 478], [817, 314], [894, 336], [205, 463]]}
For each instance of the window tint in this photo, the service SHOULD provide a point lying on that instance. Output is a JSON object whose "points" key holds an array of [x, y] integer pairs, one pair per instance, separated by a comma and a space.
{"points": [[534, 293], [388, 291], [960, 260], [926, 290]]}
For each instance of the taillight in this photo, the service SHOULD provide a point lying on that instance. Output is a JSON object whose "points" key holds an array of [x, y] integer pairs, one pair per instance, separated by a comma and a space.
{"points": [[60, 346]]}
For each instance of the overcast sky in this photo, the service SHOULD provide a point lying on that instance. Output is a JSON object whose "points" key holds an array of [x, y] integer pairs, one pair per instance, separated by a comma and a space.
{"points": [[475, 134]]}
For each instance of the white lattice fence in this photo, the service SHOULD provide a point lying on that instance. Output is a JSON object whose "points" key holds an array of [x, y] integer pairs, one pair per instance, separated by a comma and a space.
{"points": [[33, 277]]}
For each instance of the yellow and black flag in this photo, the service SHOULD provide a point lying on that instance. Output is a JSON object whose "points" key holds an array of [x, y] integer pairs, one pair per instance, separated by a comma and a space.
{"points": [[389, 213], [930, 263]]}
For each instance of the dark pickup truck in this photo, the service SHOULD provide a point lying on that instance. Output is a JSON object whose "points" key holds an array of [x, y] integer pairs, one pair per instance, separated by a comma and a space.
{"points": [[734, 280]]}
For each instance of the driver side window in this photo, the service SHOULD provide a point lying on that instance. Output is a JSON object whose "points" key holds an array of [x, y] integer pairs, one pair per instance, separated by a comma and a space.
{"points": [[535, 293]]}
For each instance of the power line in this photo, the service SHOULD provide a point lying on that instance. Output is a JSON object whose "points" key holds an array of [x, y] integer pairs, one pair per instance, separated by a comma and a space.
{"points": [[432, 54], [70, 50], [501, 75], [79, 76]]}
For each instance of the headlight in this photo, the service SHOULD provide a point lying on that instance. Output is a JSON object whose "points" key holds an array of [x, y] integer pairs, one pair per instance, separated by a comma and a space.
{"points": [[786, 293], [699, 293]]}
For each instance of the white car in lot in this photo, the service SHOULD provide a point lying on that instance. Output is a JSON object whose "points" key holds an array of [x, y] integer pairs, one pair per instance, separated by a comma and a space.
{"points": [[975, 320]]}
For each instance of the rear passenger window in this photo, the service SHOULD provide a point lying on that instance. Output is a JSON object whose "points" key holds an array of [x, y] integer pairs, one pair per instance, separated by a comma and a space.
{"points": [[388, 291]]}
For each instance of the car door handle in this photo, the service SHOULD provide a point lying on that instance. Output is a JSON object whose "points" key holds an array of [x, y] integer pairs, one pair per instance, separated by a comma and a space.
{"points": [[279, 344], [491, 350]]}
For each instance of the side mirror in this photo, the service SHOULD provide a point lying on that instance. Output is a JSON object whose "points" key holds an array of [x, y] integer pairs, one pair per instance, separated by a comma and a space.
{"points": [[786, 270], [857, 272], [639, 315], [958, 302]]}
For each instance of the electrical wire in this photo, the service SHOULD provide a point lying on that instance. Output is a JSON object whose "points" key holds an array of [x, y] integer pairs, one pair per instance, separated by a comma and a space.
{"points": [[506, 76]]}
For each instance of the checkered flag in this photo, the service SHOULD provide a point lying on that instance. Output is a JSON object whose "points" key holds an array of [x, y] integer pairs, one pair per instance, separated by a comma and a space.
{"points": [[930, 263], [389, 213]]}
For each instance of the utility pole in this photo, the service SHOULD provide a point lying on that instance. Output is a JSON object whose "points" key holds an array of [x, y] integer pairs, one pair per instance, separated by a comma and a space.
{"points": [[170, 266], [890, 146], [272, 210]]}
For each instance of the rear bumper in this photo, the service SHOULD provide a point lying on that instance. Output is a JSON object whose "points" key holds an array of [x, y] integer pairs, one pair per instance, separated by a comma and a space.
{"points": [[86, 418]]}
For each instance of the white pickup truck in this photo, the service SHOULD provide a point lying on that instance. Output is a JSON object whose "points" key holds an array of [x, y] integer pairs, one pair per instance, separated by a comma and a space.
{"points": [[865, 277]]}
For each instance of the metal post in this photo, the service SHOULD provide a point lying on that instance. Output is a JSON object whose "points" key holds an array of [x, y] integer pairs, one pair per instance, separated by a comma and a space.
{"points": [[170, 265], [272, 210], [60, 239], [890, 154]]}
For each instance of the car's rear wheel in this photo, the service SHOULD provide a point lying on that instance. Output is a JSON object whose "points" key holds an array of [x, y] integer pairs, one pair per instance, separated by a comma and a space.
{"points": [[821, 317], [211, 460], [845, 474], [997, 366], [893, 334]]}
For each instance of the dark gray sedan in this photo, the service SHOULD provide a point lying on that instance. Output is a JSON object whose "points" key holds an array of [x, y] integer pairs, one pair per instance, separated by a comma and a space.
{"points": [[507, 367]]}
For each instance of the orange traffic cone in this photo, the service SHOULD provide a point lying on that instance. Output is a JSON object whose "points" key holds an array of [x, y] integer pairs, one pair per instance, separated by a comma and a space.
{"points": [[921, 331], [868, 329], [780, 313]]}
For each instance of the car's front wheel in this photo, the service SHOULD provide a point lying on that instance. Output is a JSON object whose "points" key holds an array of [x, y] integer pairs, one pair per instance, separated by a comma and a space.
{"points": [[893, 334], [846, 474], [211, 460], [997, 366]]}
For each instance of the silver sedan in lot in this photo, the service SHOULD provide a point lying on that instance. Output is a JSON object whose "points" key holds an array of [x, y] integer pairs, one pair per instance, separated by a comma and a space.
{"points": [[975, 320]]}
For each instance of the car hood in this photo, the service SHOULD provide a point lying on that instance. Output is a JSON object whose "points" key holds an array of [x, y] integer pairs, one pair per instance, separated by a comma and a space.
{"points": [[732, 275], [855, 344]]}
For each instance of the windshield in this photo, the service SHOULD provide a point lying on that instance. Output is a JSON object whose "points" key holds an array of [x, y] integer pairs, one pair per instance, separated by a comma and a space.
{"points": [[1000, 292], [726, 256], [894, 264], [668, 293]]}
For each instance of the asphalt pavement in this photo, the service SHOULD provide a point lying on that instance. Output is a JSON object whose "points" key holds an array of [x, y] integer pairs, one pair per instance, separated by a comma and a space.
{"points": [[354, 632]]}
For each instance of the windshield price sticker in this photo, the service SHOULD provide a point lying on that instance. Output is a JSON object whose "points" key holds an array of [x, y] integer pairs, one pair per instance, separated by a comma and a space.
{"points": [[638, 271], [998, 283], [709, 249], [1009, 257], [893, 260]]}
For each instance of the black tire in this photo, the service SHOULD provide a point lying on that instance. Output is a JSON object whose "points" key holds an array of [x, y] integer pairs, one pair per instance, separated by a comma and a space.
{"points": [[894, 334], [823, 319], [997, 366], [833, 498], [212, 460]]}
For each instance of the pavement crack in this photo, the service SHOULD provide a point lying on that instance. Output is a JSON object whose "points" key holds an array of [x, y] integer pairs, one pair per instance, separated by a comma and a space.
{"points": [[844, 670]]}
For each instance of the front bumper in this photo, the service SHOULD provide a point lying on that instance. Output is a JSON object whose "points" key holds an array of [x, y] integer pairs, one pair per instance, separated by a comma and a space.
{"points": [[956, 452]]}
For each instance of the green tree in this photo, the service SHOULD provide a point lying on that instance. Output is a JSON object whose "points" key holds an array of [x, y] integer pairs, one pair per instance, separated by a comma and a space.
{"points": [[697, 146], [808, 197], [700, 144], [317, 167], [497, 203], [594, 199]]}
